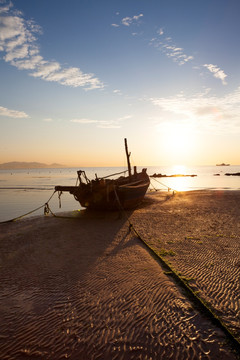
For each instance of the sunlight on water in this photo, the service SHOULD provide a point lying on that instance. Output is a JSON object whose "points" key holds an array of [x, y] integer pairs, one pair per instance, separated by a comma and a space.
{"points": [[174, 183], [180, 183], [24, 190]]}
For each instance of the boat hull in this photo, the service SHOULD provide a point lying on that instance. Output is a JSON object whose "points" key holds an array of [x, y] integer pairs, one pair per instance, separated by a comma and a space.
{"points": [[112, 199], [109, 195]]}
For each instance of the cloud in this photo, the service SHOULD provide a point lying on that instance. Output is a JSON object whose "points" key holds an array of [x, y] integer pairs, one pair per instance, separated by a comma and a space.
{"points": [[18, 41], [127, 21], [106, 124], [48, 119], [99, 123], [4, 7], [177, 54], [117, 91], [12, 113], [205, 110], [84, 121], [126, 117], [217, 72], [109, 125], [167, 47]]}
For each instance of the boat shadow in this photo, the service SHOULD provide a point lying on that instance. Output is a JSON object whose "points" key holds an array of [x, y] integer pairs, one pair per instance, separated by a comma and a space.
{"points": [[85, 237], [52, 249], [53, 246]]}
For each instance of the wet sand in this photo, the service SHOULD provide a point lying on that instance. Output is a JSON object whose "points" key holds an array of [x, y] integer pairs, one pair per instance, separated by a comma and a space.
{"points": [[84, 287]]}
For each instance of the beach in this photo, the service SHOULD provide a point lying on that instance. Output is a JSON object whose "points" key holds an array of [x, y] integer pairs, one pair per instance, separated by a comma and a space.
{"points": [[82, 286]]}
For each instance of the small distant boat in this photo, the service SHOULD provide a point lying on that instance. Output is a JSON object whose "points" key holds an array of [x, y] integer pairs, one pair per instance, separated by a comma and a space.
{"points": [[222, 164], [125, 192]]}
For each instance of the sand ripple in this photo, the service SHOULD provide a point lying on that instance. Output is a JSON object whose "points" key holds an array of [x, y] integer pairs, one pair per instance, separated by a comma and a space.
{"points": [[87, 289], [202, 230]]}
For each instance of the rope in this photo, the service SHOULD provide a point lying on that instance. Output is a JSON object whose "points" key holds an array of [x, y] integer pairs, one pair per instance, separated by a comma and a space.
{"points": [[191, 294], [153, 186], [105, 177], [169, 188], [46, 211], [59, 198], [204, 307], [181, 281]]}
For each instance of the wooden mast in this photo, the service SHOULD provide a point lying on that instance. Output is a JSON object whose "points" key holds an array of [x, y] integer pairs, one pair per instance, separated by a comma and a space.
{"points": [[128, 158]]}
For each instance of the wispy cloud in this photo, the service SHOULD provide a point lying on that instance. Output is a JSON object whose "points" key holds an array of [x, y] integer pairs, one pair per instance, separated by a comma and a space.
{"points": [[117, 91], [12, 113], [84, 121], [167, 47], [164, 44], [99, 123], [217, 72], [106, 124], [214, 112], [177, 54], [127, 21], [160, 32], [109, 125], [48, 120], [19, 42]]}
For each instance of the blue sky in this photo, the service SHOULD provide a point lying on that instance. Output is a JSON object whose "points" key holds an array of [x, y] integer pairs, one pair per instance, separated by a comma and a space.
{"points": [[79, 76]]}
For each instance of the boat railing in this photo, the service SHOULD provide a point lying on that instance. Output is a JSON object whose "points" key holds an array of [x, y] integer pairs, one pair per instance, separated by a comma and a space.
{"points": [[82, 175], [105, 177]]}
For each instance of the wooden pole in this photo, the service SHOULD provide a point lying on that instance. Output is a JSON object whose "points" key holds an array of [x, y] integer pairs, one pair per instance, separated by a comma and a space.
{"points": [[128, 158]]}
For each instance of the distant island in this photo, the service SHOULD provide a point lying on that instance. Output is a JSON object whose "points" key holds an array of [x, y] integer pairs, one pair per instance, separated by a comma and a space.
{"points": [[222, 164], [28, 165], [176, 175]]}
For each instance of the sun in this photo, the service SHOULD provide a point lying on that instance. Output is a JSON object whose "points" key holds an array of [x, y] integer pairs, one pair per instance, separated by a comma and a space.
{"points": [[177, 141]]}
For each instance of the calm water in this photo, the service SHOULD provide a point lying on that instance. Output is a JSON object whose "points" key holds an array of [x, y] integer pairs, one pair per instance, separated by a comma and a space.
{"points": [[22, 191]]}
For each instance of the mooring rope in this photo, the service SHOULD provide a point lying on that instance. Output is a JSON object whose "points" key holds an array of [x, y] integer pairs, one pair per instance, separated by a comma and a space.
{"points": [[191, 294], [181, 281], [153, 186], [168, 187], [46, 211]]}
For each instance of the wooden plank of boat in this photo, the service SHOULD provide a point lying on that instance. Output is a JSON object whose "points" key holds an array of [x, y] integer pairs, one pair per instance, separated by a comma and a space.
{"points": [[110, 194], [66, 188]]}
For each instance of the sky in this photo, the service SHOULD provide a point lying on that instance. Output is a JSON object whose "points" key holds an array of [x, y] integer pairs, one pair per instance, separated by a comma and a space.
{"points": [[77, 77]]}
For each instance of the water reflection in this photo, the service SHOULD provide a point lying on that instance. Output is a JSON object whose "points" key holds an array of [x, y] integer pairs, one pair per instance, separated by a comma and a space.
{"points": [[24, 190], [173, 183]]}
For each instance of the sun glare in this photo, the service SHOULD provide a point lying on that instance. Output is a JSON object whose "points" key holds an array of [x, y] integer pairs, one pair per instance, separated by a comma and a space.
{"points": [[179, 169], [177, 140]]}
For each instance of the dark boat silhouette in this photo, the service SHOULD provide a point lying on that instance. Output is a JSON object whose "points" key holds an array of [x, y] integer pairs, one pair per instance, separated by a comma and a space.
{"points": [[125, 192]]}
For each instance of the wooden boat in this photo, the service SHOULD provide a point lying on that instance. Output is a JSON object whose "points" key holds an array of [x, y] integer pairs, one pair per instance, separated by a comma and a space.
{"points": [[125, 192]]}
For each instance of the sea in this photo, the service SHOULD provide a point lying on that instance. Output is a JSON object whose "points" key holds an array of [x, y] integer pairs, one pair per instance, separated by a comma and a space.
{"points": [[26, 191]]}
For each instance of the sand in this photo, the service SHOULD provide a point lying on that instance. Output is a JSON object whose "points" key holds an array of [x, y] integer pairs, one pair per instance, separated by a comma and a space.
{"points": [[84, 287]]}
